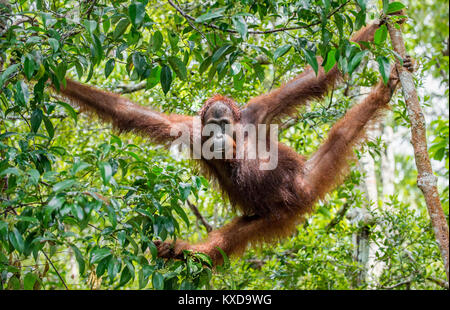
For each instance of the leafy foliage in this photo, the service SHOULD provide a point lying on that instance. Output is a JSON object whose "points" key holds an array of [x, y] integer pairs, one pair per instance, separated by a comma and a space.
{"points": [[75, 194]]}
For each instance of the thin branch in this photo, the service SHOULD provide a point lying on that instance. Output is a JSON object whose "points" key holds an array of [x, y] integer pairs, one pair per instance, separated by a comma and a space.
{"points": [[56, 115], [339, 215], [189, 17], [89, 10], [439, 282], [56, 270], [407, 281], [290, 122], [199, 216], [70, 33], [128, 89]]}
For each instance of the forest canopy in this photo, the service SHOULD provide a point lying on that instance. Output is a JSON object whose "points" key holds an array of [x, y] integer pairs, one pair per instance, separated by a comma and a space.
{"points": [[81, 204]]}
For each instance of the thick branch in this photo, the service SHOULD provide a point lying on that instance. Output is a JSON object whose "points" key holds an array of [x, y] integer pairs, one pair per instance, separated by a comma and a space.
{"points": [[426, 180]]}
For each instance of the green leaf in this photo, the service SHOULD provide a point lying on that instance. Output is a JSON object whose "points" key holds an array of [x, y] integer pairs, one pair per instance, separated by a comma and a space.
{"points": [[136, 11], [210, 15], [125, 277], [356, 60], [54, 44], [16, 240], [226, 260], [173, 40], [205, 64], [385, 6], [362, 4], [140, 63], [220, 52], [158, 281], [90, 25], [240, 25], [282, 50], [166, 78], [112, 216], [99, 254], [22, 93], [156, 41], [331, 60], [60, 71], [29, 280], [339, 21], [79, 166], [154, 76], [360, 19], [114, 266], [34, 176], [60, 186], [105, 171], [29, 66], [53, 204], [77, 211], [394, 7], [153, 249], [312, 60], [384, 66], [121, 26], [36, 119], [27, 219], [109, 67], [69, 110], [98, 48], [178, 66], [7, 73], [79, 257], [181, 213], [185, 190], [49, 127], [10, 170], [380, 35]]}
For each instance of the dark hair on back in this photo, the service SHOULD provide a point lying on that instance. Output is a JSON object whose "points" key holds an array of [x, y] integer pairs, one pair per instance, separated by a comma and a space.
{"points": [[227, 101]]}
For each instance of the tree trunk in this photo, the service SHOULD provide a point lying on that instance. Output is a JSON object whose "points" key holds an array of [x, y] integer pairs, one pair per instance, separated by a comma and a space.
{"points": [[426, 180]]}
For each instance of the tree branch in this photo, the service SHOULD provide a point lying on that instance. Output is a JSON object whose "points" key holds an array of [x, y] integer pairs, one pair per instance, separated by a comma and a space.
{"points": [[199, 216], [426, 180], [339, 215], [407, 281], [439, 282], [127, 89], [56, 270]]}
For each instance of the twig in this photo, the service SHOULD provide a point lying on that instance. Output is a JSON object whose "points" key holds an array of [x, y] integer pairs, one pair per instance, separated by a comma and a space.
{"points": [[290, 122], [407, 281], [339, 215], [199, 216], [70, 33], [89, 10], [439, 282], [189, 17], [56, 270]]}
